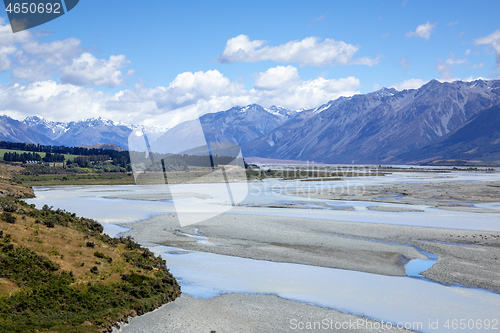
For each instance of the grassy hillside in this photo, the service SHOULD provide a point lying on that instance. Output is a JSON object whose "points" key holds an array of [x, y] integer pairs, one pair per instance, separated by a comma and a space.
{"points": [[10, 187], [60, 273]]}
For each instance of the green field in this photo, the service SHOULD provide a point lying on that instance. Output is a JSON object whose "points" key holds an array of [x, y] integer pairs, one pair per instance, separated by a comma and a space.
{"points": [[3, 151], [111, 178]]}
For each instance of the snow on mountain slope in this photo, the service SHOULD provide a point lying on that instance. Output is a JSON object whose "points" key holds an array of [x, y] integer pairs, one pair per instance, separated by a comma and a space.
{"points": [[16, 131], [236, 125], [382, 126], [376, 127]]}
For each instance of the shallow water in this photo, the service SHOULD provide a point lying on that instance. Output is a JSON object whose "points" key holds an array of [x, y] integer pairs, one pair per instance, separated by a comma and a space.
{"points": [[109, 206], [388, 298], [199, 238], [415, 268], [100, 202], [395, 299]]}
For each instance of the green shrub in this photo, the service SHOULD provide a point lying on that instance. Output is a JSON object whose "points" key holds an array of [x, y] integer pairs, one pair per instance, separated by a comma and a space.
{"points": [[49, 224], [7, 205], [103, 256], [99, 254], [8, 217], [46, 208]]}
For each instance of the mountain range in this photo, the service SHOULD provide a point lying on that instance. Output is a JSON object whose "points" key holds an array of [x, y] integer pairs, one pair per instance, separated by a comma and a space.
{"points": [[440, 120], [91, 131], [478, 139], [380, 127], [237, 125]]}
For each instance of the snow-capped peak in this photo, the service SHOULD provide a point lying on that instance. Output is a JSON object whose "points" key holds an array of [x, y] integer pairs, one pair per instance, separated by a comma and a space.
{"points": [[97, 122], [55, 127], [278, 110], [384, 92], [33, 120], [323, 107]]}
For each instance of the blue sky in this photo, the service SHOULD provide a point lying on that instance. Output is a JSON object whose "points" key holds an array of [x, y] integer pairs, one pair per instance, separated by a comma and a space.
{"points": [[134, 60]]}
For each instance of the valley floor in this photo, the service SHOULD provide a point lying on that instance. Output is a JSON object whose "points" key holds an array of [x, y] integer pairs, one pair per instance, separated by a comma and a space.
{"points": [[453, 195], [369, 237], [465, 257]]}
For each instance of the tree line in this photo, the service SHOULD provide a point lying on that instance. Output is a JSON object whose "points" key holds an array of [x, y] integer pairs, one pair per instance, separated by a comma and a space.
{"points": [[179, 161], [90, 156], [32, 157], [32, 147]]}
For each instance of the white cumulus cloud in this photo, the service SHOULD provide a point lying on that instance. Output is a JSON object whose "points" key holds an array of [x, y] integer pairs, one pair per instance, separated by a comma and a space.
{"points": [[190, 92], [88, 70], [276, 78], [58, 79], [51, 100], [409, 84], [58, 52], [422, 31], [5, 62], [494, 40], [189, 88], [310, 51], [9, 44], [9, 38], [40, 61], [34, 61], [283, 86]]}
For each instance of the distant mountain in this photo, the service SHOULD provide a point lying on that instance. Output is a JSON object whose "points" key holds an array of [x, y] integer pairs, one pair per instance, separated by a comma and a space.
{"points": [[50, 129], [237, 125], [95, 131], [87, 132], [479, 139], [377, 127], [16, 131], [243, 124], [449, 120]]}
